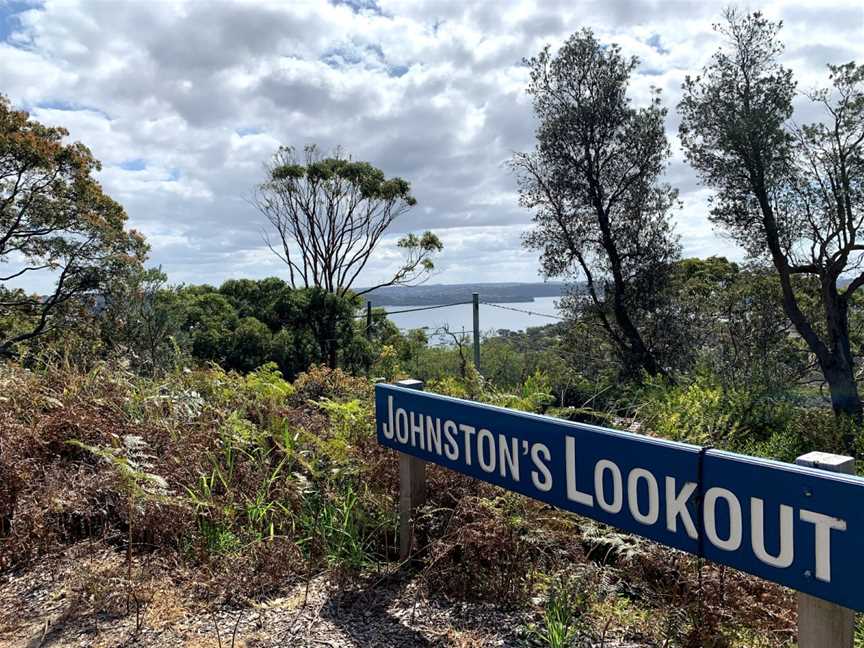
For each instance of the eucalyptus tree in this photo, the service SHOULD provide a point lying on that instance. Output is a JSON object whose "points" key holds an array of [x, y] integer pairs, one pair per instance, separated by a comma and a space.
{"points": [[329, 214], [601, 213], [54, 220], [792, 195]]}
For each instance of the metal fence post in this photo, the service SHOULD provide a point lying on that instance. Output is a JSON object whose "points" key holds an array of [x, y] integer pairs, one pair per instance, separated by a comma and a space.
{"points": [[475, 297], [822, 624], [412, 488]]}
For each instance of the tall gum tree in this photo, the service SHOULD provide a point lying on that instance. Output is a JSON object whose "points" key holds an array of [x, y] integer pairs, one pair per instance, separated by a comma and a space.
{"points": [[789, 194], [329, 215], [54, 218], [600, 212]]}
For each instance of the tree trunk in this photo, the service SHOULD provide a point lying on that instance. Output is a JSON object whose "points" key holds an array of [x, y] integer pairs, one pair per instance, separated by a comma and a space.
{"points": [[638, 354], [845, 400], [333, 349], [641, 357], [835, 358], [839, 370], [844, 391]]}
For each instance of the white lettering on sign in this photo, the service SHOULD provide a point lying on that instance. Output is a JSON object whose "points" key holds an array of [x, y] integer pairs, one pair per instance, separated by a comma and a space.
{"points": [[824, 525], [573, 494], [402, 426], [499, 454], [709, 515], [451, 450], [468, 431], [433, 434], [653, 513], [509, 459], [676, 506], [613, 506], [786, 553], [540, 476], [486, 451], [417, 429]]}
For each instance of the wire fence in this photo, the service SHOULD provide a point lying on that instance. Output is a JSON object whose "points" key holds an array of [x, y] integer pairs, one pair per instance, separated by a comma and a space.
{"points": [[522, 310], [465, 303], [420, 308], [444, 331]]}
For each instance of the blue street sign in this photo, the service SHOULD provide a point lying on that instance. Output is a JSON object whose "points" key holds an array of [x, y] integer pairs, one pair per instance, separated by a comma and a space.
{"points": [[797, 526]]}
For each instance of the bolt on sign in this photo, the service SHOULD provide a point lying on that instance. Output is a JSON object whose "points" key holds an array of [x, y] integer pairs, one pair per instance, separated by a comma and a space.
{"points": [[797, 526]]}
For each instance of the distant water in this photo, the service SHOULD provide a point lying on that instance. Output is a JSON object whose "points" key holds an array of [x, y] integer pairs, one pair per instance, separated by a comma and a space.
{"points": [[491, 318]]}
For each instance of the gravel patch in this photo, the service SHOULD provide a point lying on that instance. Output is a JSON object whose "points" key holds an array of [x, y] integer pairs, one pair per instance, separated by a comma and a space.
{"points": [[77, 599]]}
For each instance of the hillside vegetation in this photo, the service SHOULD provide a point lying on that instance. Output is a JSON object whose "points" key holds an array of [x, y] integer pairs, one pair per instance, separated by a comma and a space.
{"points": [[240, 486]]}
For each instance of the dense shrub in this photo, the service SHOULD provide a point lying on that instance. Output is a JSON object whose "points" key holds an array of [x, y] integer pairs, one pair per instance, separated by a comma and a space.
{"points": [[207, 463]]}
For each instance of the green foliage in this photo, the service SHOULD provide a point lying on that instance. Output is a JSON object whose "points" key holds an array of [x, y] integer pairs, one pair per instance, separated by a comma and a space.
{"points": [[605, 224], [534, 395], [339, 529], [695, 413], [566, 603], [266, 386], [728, 320], [218, 540], [210, 320], [859, 631], [131, 459], [793, 205], [329, 215], [55, 223], [242, 325], [705, 412], [421, 249], [803, 430], [143, 321], [249, 345], [350, 419], [369, 180], [536, 391]]}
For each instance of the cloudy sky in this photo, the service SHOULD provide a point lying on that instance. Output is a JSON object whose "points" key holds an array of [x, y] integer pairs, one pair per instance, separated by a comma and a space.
{"points": [[184, 101]]}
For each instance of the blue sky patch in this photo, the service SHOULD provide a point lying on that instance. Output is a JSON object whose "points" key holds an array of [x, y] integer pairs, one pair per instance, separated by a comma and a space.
{"points": [[341, 56], [59, 104], [358, 6], [243, 131], [134, 165], [656, 45], [9, 20]]}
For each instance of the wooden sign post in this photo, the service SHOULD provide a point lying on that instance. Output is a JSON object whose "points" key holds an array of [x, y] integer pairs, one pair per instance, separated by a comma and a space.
{"points": [[412, 488], [822, 624]]}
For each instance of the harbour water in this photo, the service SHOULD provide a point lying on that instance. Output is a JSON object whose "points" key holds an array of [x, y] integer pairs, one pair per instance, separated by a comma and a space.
{"points": [[511, 316]]}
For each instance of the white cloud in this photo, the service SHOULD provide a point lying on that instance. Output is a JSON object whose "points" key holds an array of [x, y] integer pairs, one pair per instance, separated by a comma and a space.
{"points": [[183, 102]]}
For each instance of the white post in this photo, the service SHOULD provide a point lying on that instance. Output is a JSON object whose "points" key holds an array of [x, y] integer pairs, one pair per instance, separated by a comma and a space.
{"points": [[412, 488], [822, 624]]}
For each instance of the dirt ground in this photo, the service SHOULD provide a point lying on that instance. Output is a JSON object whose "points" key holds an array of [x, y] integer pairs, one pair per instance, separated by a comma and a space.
{"points": [[78, 599]]}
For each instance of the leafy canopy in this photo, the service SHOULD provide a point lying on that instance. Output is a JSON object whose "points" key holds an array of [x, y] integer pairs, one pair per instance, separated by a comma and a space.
{"points": [[54, 218]]}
